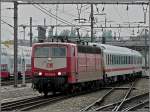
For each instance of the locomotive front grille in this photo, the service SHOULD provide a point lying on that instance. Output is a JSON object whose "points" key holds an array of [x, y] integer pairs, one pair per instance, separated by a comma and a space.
{"points": [[40, 82]]}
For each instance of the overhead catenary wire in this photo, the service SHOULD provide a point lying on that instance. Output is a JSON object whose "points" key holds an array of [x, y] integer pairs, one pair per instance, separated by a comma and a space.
{"points": [[47, 12], [7, 23], [66, 13], [56, 17]]}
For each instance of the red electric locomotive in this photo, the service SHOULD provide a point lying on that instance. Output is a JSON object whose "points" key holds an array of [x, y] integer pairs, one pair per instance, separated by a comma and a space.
{"points": [[60, 66], [4, 73]]}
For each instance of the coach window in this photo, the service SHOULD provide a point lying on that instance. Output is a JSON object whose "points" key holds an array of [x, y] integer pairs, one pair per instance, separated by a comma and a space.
{"points": [[112, 60], [120, 59], [117, 59], [125, 59], [108, 59]]}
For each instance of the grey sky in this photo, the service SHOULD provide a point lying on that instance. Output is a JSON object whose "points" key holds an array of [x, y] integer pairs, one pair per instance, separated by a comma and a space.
{"points": [[116, 13]]}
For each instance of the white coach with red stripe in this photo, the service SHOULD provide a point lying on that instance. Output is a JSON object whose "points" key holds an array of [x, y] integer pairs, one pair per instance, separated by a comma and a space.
{"points": [[120, 60]]}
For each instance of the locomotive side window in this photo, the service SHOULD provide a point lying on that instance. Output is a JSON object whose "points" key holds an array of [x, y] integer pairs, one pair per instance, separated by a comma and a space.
{"points": [[88, 49], [72, 51]]}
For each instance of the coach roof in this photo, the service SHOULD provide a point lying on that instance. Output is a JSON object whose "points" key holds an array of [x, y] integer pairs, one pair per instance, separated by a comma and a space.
{"points": [[116, 50]]}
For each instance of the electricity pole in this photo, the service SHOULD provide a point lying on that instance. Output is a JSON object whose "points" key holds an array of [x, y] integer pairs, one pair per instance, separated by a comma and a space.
{"points": [[92, 18], [146, 46], [30, 31], [149, 38], [0, 41], [15, 43]]}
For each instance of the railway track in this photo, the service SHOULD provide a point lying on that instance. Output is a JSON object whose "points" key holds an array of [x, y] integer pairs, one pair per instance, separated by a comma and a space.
{"points": [[118, 106], [112, 105], [11, 82], [31, 103]]}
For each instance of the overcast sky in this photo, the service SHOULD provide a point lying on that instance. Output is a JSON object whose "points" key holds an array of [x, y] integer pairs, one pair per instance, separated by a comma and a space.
{"points": [[118, 14]]}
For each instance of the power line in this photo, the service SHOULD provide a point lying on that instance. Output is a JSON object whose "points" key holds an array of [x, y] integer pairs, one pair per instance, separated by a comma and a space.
{"points": [[7, 23], [47, 13], [53, 16]]}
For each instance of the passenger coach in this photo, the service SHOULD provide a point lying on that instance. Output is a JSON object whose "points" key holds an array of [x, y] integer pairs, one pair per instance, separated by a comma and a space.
{"points": [[120, 62]]}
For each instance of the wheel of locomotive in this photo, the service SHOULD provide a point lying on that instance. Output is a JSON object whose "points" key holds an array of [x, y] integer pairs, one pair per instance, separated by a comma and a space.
{"points": [[105, 79], [45, 93]]}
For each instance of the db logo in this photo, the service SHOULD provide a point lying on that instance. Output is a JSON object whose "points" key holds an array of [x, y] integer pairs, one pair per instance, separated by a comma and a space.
{"points": [[49, 65]]}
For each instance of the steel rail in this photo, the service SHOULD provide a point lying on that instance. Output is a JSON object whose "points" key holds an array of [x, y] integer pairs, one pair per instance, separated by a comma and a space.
{"points": [[128, 99], [29, 104], [46, 101], [126, 96], [133, 108], [7, 104], [98, 101]]}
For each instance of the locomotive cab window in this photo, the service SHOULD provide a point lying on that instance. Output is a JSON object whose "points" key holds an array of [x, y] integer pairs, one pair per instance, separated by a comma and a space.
{"points": [[58, 51], [50, 52], [41, 52]]}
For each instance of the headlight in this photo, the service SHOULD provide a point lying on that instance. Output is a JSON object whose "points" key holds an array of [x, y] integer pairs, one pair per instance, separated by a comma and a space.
{"points": [[40, 73], [59, 73]]}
